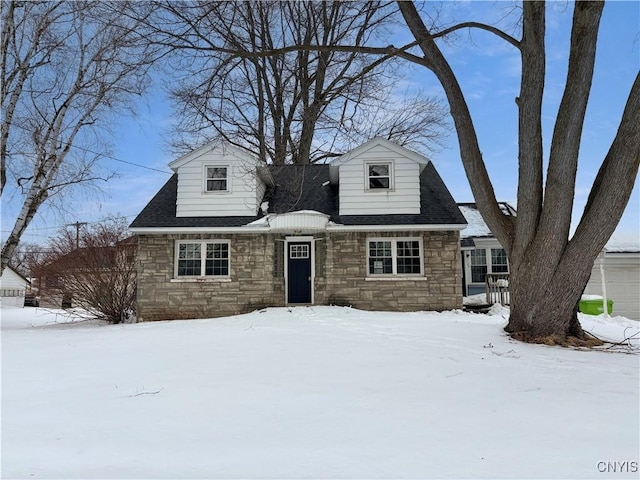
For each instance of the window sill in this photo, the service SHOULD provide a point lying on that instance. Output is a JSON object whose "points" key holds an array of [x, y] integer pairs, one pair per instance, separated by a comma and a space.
{"points": [[395, 278], [200, 280]]}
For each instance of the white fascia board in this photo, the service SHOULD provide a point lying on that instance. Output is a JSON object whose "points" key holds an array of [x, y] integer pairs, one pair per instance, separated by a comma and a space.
{"points": [[171, 230], [622, 255], [394, 147], [393, 228], [209, 147], [267, 229]]}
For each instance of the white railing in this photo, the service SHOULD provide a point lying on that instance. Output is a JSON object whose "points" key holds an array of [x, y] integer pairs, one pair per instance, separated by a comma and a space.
{"points": [[497, 288]]}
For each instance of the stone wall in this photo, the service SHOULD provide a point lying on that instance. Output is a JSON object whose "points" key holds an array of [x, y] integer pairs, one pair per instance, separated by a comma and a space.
{"points": [[256, 281], [439, 289], [251, 286]]}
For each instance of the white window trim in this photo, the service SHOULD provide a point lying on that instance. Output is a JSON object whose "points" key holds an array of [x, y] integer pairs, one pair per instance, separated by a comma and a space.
{"points": [[490, 260], [394, 258], [203, 250], [488, 264], [391, 176], [204, 179]]}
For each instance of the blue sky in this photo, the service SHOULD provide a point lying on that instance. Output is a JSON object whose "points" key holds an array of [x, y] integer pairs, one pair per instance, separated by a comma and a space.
{"points": [[488, 70]]}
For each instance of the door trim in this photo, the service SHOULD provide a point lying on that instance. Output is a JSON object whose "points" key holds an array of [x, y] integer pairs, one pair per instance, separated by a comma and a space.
{"points": [[287, 240]]}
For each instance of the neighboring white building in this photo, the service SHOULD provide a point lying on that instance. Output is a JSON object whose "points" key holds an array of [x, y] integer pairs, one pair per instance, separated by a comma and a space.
{"points": [[12, 288], [621, 264], [482, 254]]}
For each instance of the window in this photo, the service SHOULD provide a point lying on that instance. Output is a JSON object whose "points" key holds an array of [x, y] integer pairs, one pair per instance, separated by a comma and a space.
{"points": [[216, 179], [202, 259], [298, 251], [379, 176], [380, 257], [408, 257], [394, 257], [278, 258], [478, 265], [499, 261]]}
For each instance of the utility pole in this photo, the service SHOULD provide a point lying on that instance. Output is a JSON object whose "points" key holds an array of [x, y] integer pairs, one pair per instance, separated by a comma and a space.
{"points": [[77, 225]]}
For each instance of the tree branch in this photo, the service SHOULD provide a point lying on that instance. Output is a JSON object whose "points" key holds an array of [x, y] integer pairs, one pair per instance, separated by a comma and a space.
{"points": [[565, 143], [481, 26], [470, 153], [530, 153]]}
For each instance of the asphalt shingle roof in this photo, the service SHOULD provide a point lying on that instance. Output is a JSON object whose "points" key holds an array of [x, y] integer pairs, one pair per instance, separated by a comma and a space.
{"points": [[307, 187]]}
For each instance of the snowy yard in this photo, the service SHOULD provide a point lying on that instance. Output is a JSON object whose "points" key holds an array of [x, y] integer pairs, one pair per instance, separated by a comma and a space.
{"points": [[315, 392]]}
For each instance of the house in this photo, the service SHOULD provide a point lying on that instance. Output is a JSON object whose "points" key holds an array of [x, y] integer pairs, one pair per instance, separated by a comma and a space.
{"points": [[620, 264], [87, 272], [482, 253], [376, 229], [13, 287]]}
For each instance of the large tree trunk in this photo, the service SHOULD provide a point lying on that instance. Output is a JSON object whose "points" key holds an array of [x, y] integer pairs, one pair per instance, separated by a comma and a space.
{"points": [[544, 300], [548, 271]]}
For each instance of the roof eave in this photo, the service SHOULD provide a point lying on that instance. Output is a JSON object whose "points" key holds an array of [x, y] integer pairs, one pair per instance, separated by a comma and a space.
{"points": [[396, 228], [265, 229], [174, 230]]}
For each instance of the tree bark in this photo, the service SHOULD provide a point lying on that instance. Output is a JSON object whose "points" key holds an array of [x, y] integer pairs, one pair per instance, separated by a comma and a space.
{"points": [[548, 271]]}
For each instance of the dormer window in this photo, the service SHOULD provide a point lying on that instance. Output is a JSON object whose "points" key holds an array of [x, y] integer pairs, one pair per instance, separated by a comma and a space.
{"points": [[216, 179], [379, 176]]}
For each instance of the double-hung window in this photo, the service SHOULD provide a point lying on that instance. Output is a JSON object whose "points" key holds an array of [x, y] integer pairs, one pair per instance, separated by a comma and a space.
{"points": [[216, 178], [391, 256], [202, 259], [482, 264], [499, 261], [379, 176], [478, 265]]}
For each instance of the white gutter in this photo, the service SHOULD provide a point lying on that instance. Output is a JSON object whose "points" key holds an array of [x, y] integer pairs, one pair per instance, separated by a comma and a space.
{"points": [[267, 229], [168, 230], [394, 228]]}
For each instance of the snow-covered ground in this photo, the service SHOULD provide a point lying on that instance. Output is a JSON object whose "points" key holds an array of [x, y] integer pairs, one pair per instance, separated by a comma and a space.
{"points": [[315, 392]]}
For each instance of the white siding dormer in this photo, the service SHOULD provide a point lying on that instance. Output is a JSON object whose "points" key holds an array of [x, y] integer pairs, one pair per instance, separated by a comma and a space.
{"points": [[379, 178], [218, 180]]}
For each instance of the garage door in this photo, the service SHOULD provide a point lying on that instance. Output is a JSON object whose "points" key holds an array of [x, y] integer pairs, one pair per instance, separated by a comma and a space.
{"points": [[622, 274]]}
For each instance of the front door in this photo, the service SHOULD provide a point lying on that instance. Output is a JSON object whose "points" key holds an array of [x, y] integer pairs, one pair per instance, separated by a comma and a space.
{"points": [[299, 272]]}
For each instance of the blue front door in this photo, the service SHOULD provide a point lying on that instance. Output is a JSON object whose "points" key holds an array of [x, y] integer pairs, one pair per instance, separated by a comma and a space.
{"points": [[299, 272]]}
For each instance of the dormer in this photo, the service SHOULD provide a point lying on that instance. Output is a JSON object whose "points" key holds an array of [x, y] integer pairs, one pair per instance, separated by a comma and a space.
{"points": [[218, 180], [379, 177]]}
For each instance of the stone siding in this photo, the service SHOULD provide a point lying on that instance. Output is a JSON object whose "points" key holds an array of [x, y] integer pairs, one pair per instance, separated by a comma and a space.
{"points": [[439, 289], [256, 281], [251, 285]]}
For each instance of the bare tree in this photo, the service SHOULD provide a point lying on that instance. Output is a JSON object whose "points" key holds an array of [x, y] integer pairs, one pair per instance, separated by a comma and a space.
{"points": [[27, 257], [65, 67], [549, 270], [244, 79], [99, 276]]}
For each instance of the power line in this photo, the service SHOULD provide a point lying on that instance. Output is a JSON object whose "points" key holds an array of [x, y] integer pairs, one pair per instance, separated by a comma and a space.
{"points": [[125, 161], [106, 156], [29, 230]]}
